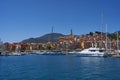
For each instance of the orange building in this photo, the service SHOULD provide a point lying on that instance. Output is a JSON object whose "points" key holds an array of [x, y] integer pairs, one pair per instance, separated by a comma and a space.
{"points": [[67, 41]]}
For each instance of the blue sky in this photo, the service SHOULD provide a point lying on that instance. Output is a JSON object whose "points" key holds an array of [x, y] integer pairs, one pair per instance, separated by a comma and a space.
{"points": [[21, 19]]}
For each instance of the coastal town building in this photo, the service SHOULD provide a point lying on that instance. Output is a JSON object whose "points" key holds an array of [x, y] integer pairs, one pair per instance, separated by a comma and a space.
{"points": [[67, 43]]}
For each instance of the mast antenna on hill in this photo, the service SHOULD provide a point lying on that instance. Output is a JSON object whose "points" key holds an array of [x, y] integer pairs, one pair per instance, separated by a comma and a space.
{"points": [[52, 29], [51, 39]]}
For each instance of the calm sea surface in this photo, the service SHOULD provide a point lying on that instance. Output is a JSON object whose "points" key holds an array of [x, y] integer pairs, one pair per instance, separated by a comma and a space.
{"points": [[58, 67]]}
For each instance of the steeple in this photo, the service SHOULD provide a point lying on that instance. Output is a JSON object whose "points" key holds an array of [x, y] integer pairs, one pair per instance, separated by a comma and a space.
{"points": [[71, 33]]}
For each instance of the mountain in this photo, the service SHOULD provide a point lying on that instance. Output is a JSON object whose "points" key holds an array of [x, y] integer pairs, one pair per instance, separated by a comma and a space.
{"points": [[55, 36], [45, 38]]}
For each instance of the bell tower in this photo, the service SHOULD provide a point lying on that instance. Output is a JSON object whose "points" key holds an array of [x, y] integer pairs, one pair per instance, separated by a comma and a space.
{"points": [[71, 33]]}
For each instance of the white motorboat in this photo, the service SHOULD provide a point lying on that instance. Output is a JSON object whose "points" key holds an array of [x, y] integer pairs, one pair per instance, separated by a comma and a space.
{"points": [[92, 52]]}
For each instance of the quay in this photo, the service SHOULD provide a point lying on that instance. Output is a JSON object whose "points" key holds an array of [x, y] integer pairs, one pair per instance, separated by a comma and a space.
{"points": [[116, 56], [50, 52]]}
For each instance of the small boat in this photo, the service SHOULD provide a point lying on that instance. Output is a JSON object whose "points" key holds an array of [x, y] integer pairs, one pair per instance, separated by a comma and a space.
{"points": [[92, 52], [15, 54]]}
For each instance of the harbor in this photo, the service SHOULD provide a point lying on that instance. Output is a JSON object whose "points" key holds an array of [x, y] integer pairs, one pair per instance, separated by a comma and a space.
{"points": [[68, 45], [59, 39]]}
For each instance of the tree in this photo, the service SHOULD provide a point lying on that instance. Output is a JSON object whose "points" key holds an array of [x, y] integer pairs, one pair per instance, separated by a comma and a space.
{"points": [[91, 33]]}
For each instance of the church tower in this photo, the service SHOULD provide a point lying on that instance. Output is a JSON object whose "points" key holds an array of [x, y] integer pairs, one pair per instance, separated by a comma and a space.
{"points": [[71, 33]]}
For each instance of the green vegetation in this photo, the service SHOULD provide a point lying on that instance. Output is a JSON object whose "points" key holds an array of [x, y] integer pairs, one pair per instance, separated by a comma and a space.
{"points": [[112, 36], [54, 37]]}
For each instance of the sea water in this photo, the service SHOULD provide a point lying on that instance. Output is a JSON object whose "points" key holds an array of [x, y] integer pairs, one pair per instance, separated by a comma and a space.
{"points": [[58, 67]]}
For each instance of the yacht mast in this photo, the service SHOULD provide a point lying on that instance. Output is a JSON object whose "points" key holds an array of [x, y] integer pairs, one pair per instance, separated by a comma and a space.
{"points": [[106, 39], [117, 42], [101, 29]]}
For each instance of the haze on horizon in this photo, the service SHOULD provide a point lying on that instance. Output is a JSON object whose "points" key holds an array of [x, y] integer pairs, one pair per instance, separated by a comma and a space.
{"points": [[21, 19]]}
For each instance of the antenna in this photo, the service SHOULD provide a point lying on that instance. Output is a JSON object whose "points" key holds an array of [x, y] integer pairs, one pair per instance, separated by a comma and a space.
{"points": [[51, 35], [52, 29]]}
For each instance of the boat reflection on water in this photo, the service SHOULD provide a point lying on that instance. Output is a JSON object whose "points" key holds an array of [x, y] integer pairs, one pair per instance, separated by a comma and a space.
{"points": [[53, 53]]}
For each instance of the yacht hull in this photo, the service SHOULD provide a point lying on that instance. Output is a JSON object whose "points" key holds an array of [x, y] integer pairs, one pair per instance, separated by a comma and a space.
{"points": [[92, 52], [90, 55]]}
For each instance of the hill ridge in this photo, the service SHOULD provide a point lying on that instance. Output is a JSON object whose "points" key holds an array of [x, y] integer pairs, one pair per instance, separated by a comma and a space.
{"points": [[45, 38]]}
